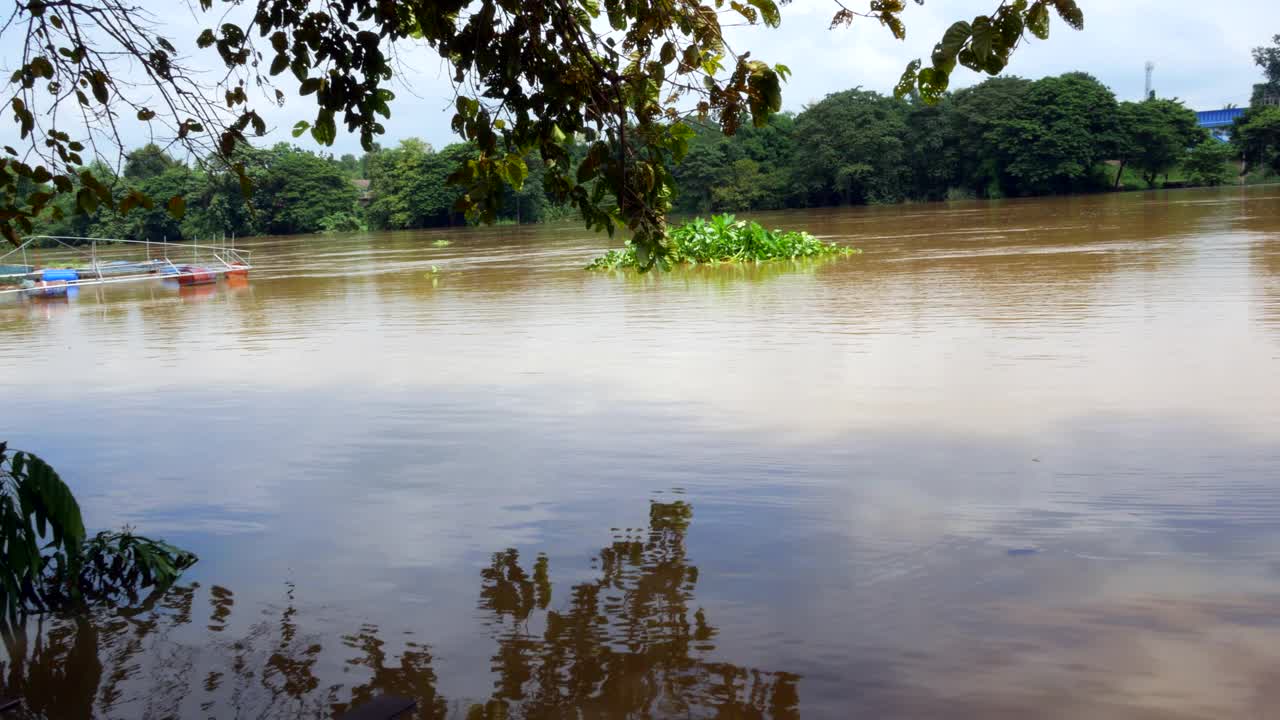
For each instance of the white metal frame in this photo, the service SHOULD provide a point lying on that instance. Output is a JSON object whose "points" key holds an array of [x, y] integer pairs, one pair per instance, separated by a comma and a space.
{"points": [[221, 259]]}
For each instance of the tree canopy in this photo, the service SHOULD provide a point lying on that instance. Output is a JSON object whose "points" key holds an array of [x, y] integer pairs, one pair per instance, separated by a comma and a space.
{"points": [[296, 190], [1062, 127], [531, 77], [1258, 134], [1257, 130], [292, 191], [1267, 58], [1209, 163], [1006, 136], [1153, 136], [854, 148], [409, 188]]}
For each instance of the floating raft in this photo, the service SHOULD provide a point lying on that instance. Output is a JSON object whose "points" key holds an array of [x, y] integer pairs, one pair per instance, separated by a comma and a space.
{"points": [[102, 261]]}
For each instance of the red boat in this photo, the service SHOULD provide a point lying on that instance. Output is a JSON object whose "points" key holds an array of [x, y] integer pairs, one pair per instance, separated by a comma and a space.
{"points": [[237, 270], [196, 275]]}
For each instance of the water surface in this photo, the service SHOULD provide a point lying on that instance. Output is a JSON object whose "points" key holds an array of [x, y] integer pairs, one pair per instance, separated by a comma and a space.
{"points": [[1017, 459]]}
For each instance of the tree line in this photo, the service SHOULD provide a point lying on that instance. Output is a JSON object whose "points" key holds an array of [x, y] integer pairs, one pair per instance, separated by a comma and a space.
{"points": [[1005, 137], [290, 191]]}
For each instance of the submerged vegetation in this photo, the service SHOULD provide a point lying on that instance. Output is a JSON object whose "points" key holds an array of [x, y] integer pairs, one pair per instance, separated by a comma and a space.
{"points": [[47, 563], [723, 239]]}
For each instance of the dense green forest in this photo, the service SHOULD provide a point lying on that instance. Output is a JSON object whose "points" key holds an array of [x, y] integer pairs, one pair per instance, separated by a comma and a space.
{"points": [[1005, 137]]}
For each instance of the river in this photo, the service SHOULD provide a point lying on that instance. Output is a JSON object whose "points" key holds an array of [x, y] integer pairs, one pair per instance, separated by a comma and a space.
{"points": [[1017, 459]]}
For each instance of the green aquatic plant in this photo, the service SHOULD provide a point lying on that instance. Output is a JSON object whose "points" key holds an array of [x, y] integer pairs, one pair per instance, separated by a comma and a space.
{"points": [[441, 243], [46, 561], [724, 238]]}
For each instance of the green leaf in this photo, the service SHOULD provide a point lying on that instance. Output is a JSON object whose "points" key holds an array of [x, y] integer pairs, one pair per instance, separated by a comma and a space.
{"points": [[127, 203], [50, 498], [932, 83], [516, 170], [98, 83], [1010, 26], [667, 53], [279, 64], [41, 67], [617, 19], [768, 11], [87, 201], [955, 37], [324, 131], [691, 57], [907, 82], [983, 35], [300, 127], [1070, 12], [1038, 20]]}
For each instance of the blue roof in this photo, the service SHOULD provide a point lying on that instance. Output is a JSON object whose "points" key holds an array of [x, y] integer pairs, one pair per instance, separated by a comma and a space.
{"points": [[1218, 118]]}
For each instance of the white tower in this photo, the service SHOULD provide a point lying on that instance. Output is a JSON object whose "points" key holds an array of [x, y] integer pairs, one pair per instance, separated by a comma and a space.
{"points": [[1150, 69]]}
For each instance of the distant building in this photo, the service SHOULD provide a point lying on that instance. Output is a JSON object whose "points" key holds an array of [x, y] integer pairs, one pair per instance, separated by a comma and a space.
{"points": [[362, 186], [1219, 122]]}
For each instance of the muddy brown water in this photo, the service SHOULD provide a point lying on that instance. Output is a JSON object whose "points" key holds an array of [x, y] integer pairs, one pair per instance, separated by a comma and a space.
{"points": [[1017, 459]]}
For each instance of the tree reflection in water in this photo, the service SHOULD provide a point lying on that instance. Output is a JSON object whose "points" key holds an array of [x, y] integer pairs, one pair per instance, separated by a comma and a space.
{"points": [[626, 644]]}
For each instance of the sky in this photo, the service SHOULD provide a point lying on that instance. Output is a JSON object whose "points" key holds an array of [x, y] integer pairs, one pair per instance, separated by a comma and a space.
{"points": [[1201, 56]]}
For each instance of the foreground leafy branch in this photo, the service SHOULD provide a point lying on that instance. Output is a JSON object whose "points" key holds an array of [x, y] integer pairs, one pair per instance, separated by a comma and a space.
{"points": [[983, 45], [46, 562], [725, 239]]}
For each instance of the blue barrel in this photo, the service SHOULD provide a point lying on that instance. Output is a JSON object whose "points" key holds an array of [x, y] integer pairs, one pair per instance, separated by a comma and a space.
{"points": [[59, 274]]}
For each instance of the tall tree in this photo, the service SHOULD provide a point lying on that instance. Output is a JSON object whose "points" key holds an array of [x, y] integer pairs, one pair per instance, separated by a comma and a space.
{"points": [[155, 222], [350, 165], [979, 111], [854, 149], [296, 189], [1257, 133], [409, 186], [933, 150], [1267, 58], [1061, 128], [701, 170], [1153, 136], [1209, 163], [147, 161]]}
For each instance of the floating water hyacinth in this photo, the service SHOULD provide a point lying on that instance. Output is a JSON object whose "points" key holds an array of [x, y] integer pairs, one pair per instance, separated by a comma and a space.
{"points": [[724, 238]]}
